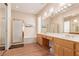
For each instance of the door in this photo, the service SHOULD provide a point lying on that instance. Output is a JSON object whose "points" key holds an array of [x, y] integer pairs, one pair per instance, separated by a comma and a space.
{"points": [[17, 31]]}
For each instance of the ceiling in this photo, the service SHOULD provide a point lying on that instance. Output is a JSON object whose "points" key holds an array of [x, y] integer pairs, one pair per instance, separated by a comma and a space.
{"points": [[31, 8], [35, 8]]}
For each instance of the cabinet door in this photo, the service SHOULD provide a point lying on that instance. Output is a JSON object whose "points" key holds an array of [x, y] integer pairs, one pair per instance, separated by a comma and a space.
{"points": [[77, 53], [39, 39], [46, 43], [68, 52], [58, 50]]}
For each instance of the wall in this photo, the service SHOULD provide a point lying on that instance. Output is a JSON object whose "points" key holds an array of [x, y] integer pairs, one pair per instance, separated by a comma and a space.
{"points": [[29, 32]]}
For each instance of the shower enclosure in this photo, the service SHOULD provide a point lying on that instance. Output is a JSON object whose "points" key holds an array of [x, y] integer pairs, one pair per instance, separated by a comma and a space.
{"points": [[3, 25]]}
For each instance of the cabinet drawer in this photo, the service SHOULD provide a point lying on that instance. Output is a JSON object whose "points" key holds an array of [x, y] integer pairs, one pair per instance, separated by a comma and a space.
{"points": [[64, 43], [39, 35], [77, 46], [44, 36], [49, 38]]}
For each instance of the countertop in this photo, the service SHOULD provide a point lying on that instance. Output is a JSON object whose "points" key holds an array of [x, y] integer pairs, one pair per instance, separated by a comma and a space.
{"points": [[71, 37]]}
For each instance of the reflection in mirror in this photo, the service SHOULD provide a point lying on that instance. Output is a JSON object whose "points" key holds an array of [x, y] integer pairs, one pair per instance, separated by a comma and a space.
{"points": [[49, 25], [71, 24], [67, 26], [43, 25]]}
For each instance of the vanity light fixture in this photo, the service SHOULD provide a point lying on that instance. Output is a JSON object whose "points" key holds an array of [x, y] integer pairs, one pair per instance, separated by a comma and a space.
{"points": [[45, 14], [64, 10], [65, 7], [59, 10], [62, 4], [75, 20], [69, 4], [17, 7], [56, 11], [51, 10], [32, 10]]}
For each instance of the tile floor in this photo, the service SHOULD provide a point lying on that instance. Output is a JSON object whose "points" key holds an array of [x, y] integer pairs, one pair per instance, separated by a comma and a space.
{"points": [[27, 50]]}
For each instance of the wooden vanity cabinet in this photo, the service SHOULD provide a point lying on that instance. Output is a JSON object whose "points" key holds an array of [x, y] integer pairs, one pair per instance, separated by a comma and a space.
{"points": [[48, 42], [68, 52], [39, 39], [63, 47], [58, 50], [45, 43], [76, 49], [43, 40], [77, 53], [50, 38]]}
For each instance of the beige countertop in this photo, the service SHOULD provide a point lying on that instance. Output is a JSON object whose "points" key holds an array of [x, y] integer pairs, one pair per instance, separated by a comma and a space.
{"points": [[71, 37]]}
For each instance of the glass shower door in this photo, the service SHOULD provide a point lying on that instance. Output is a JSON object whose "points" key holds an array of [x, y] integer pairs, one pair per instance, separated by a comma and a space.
{"points": [[2, 26]]}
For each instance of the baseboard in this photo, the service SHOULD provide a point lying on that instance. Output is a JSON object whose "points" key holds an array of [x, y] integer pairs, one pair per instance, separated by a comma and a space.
{"points": [[16, 46], [2, 48], [29, 40]]}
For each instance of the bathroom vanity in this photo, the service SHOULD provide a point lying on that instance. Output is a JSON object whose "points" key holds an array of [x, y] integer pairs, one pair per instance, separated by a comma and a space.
{"points": [[62, 44]]}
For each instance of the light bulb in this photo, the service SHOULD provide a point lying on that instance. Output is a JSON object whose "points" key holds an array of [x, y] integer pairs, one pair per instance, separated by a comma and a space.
{"points": [[75, 20], [69, 4], [65, 7], [17, 7]]}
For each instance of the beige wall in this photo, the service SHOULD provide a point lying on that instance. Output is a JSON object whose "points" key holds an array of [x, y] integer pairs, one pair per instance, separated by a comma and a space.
{"points": [[29, 32]]}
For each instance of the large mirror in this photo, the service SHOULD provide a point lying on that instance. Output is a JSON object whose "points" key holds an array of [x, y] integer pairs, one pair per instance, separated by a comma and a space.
{"points": [[49, 25], [71, 24]]}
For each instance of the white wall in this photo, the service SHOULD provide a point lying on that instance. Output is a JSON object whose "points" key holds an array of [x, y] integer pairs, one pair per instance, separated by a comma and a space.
{"points": [[29, 32]]}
